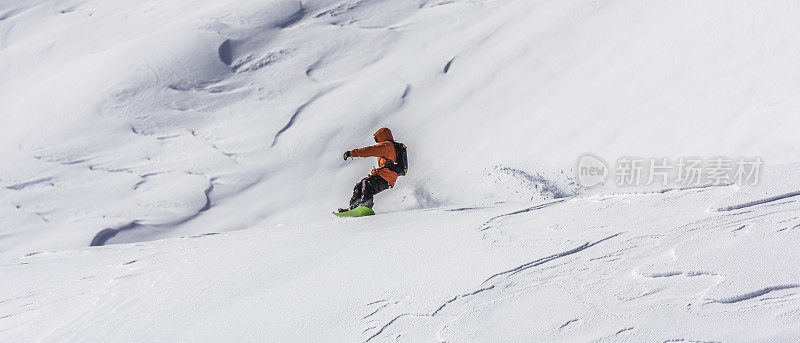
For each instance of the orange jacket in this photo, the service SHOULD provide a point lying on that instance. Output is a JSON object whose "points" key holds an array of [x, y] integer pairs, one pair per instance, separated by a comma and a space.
{"points": [[385, 153]]}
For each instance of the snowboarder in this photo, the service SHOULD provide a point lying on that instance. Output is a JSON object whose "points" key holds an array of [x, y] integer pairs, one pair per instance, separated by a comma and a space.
{"points": [[385, 175]]}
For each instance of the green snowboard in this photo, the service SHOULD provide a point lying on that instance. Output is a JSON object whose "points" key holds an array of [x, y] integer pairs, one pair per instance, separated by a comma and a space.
{"points": [[356, 212]]}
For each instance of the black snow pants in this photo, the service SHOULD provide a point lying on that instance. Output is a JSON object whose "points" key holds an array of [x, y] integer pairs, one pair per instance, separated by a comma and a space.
{"points": [[366, 189]]}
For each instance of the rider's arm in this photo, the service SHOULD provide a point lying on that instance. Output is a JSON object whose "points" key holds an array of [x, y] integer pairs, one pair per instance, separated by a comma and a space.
{"points": [[378, 150]]}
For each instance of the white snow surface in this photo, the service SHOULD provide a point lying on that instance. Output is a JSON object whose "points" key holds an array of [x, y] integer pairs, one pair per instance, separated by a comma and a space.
{"points": [[199, 142]]}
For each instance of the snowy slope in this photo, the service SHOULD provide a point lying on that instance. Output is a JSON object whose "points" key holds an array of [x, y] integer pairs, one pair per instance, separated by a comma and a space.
{"points": [[153, 123], [164, 119], [652, 267]]}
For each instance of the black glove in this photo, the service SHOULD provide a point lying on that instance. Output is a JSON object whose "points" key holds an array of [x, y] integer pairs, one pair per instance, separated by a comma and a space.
{"points": [[346, 155]]}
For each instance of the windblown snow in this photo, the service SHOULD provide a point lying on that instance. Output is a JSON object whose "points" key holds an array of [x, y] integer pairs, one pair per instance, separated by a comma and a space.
{"points": [[169, 168]]}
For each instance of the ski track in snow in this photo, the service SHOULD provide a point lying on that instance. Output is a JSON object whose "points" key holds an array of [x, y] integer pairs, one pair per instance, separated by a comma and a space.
{"points": [[754, 294], [758, 202], [487, 226], [544, 260]]}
